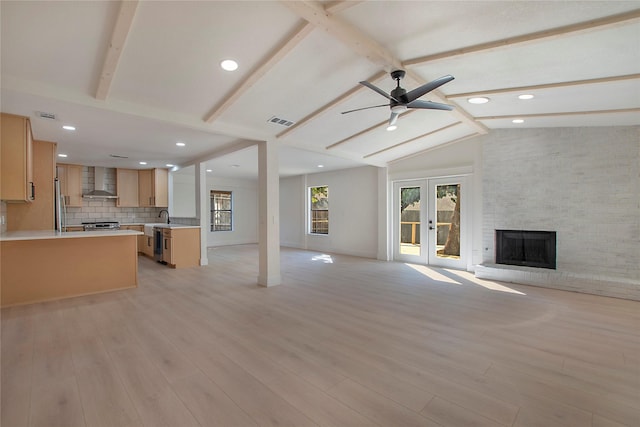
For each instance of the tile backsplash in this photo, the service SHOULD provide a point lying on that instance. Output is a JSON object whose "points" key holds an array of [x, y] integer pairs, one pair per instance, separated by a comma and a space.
{"points": [[106, 209]]}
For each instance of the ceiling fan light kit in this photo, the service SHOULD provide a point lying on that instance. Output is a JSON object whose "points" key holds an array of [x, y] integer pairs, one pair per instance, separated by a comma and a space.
{"points": [[400, 100]]}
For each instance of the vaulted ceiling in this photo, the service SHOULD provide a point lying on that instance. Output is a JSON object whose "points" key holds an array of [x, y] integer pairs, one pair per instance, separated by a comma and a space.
{"points": [[135, 77]]}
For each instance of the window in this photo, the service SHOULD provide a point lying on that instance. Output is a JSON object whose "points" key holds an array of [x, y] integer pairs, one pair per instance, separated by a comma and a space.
{"points": [[319, 210], [221, 213]]}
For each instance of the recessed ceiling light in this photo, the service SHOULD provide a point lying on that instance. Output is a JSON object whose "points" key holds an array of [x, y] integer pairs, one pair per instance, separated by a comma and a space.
{"points": [[320, 166], [209, 170], [180, 144], [143, 163], [229, 65], [392, 127], [525, 96], [169, 165], [517, 121], [62, 155], [235, 166], [67, 127], [478, 100]]}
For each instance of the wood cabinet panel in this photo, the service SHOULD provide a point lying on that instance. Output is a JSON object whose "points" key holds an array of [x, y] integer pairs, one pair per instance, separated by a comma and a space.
{"points": [[127, 187], [39, 214], [153, 187], [16, 157], [70, 177], [181, 247]]}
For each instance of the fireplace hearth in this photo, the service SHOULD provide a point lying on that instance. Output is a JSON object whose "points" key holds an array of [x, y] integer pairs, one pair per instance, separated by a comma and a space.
{"points": [[526, 248]]}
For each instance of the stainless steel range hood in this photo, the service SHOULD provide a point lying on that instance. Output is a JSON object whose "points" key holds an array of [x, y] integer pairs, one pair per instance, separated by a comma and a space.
{"points": [[99, 191]]}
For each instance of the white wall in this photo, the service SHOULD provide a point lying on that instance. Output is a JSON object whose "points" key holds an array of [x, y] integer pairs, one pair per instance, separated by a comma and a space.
{"points": [[583, 183], [245, 211], [353, 212], [183, 202]]}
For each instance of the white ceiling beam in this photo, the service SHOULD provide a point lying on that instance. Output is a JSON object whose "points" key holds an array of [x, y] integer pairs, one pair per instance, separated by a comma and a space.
{"points": [[314, 13], [409, 141], [276, 56], [340, 5], [363, 45], [119, 36], [561, 114], [263, 68], [367, 130], [521, 89], [342, 98], [594, 24]]}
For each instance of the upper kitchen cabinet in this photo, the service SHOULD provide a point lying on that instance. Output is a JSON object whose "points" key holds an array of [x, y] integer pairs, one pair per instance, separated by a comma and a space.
{"points": [[70, 177], [16, 156], [153, 188], [39, 214], [127, 188]]}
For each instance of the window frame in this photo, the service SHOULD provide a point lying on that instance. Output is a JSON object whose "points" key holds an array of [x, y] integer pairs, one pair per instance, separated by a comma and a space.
{"points": [[213, 211], [312, 227]]}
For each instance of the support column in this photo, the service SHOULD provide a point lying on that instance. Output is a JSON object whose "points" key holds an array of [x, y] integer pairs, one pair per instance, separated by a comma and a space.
{"points": [[202, 203], [268, 214]]}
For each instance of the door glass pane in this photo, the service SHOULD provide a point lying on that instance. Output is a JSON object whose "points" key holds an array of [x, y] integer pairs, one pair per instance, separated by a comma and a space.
{"points": [[410, 220], [448, 221]]}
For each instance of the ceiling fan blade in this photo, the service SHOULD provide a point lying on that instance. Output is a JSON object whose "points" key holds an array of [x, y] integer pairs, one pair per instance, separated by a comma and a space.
{"points": [[393, 119], [428, 87], [429, 105], [380, 91], [365, 108]]}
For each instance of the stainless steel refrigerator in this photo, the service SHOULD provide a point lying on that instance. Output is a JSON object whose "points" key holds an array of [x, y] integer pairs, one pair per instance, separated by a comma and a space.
{"points": [[60, 208]]}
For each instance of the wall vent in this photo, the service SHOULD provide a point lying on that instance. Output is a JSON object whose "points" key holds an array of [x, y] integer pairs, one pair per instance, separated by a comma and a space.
{"points": [[280, 121], [48, 116]]}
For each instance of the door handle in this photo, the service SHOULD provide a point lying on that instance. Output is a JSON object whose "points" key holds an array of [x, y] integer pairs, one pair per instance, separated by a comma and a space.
{"points": [[33, 191]]}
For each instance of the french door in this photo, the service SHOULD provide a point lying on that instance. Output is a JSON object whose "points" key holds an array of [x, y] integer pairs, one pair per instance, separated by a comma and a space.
{"points": [[428, 222]]}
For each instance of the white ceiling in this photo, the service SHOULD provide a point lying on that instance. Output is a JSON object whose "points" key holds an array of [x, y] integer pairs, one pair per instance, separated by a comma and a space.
{"points": [[134, 87]]}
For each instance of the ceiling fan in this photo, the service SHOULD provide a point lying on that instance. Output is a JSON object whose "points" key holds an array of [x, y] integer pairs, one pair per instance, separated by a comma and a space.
{"points": [[401, 100]]}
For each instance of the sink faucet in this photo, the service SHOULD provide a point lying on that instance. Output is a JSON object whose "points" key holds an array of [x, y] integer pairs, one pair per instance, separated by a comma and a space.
{"points": [[160, 215]]}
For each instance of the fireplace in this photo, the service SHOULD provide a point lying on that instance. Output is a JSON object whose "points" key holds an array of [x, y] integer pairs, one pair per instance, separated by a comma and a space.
{"points": [[526, 248]]}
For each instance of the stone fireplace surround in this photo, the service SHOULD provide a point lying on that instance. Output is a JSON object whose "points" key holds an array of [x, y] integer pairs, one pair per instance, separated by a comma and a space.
{"points": [[582, 182]]}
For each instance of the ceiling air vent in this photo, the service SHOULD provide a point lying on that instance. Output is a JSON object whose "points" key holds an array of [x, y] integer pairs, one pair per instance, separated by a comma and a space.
{"points": [[48, 116], [117, 156], [280, 121]]}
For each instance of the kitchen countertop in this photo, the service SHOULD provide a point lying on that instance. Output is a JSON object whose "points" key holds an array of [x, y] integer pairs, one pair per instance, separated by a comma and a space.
{"points": [[51, 234]]}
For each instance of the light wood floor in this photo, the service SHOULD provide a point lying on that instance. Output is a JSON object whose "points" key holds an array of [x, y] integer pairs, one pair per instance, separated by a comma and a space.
{"points": [[344, 341]]}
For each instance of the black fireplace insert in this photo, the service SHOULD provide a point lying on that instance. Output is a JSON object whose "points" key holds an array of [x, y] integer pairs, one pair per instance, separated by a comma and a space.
{"points": [[526, 248]]}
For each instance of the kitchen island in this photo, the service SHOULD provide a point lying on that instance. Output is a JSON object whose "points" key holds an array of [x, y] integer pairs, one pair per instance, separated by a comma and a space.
{"points": [[46, 265]]}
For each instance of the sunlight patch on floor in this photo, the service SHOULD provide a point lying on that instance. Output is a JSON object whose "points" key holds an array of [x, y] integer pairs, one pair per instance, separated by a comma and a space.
{"points": [[432, 274], [493, 286], [323, 258]]}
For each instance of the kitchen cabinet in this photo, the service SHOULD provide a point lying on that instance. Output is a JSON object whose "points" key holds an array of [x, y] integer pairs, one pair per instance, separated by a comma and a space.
{"points": [[167, 246], [181, 246], [16, 157], [145, 245], [69, 228], [39, 214], [127, 188], [141, 238], [70, 177], [153, 188]]}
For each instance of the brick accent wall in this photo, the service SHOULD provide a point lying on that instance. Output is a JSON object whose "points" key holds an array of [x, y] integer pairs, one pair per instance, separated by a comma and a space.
{"points": [[583, 183]]}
